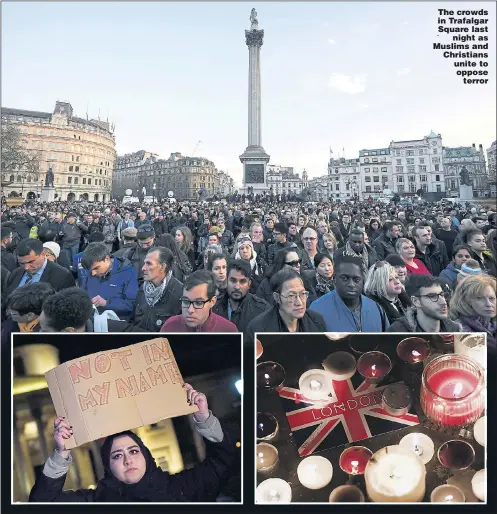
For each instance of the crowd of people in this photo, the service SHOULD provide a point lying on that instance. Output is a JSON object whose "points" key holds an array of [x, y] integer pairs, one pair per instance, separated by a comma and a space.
{"points": [[249, 267]]}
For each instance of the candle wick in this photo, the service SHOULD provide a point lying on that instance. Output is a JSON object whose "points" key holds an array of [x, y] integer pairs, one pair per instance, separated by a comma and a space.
{"points": [[418, 449]]}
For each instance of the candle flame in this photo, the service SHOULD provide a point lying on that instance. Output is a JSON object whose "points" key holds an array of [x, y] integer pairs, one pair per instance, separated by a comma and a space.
{"points": [[449, 498], [261, 455], [416, 353], [266, 376], [457, 389], [355, 464], [373, 370]]}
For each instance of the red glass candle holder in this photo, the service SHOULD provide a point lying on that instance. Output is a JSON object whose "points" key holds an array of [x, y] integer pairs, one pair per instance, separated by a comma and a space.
{"points": [[456, 455], [413, 350], [270, 375], [374, 366], [453, 390], [353, 460]]}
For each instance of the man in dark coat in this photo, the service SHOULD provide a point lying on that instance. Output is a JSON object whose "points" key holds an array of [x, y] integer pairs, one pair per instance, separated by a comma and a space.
{"points": [[385, 244], [9, 260], [237, 304], [136, 254], [432, 255], [35, 267], [356, 247], [280, 234]]}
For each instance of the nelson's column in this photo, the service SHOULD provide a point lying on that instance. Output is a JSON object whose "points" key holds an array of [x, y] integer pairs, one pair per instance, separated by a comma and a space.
{"points": [[255, 158]]}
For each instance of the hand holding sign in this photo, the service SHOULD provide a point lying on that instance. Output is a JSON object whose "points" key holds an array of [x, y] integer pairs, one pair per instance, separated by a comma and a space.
{"points": [[62, 430], [199, 399]]}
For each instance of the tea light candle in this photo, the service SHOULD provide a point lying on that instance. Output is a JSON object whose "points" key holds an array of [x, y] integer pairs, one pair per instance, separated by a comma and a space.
{"points": [[395, 474], [273, 490], [479, 430], [479, 484], [453, 390], [347, 494], [267, 426], [340, 365], [413, 350], [447, 494], [336, 336], [315, 384], [266, 457], [396, 399], [462, 479], [420, 444], [315, 472], [353, 460], [270, 375], [258, 348], [456, 454], [374, 366], [473, 346]]}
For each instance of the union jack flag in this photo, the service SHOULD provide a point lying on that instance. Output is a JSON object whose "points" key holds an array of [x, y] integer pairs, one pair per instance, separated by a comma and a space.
{"points": [[357, 410]]}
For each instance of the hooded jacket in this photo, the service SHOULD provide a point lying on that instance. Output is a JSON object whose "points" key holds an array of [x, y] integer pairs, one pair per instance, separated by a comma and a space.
{"points": [[409, 323], [449, 275], [119, 287], [200, 483]]}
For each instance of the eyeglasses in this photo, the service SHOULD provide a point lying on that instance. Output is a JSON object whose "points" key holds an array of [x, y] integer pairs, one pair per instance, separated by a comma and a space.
{"points": [[197, 304], [309, 238], [293, 264], [434, 297], [292, 297]]}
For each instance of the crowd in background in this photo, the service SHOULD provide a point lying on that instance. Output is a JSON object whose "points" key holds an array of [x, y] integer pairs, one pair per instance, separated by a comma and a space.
{"points": [[249, 267]]}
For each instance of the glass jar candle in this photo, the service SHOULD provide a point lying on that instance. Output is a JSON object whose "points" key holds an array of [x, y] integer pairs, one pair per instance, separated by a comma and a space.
{"points": [[453, 390]]}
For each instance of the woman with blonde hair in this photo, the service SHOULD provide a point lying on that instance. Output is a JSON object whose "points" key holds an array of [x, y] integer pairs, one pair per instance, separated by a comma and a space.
{"points": [[384, 287], [407, 251], [473, 305], [330, 244]]}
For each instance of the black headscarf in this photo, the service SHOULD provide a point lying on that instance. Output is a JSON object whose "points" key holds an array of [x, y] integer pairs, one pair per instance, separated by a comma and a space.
{"points": [[152, 487]]}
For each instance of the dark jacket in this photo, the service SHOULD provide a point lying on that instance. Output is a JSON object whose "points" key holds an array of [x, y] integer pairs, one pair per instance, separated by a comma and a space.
{"points": [[250, 307], [345, 230], [409, 323], [136, 255], [384, 247], [71, 233], [9, 260], [449, 275], [123, 249], [275, 248], [271, 321], [487, 264], [119, 287], [372, 255], [57, 276], [393, 311], [227, 240], [435, 257], [152, 318], [160, 227]]}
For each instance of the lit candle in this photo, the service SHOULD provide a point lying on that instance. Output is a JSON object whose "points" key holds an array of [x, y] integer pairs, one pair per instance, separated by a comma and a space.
{"points": [[340, 365], [347, 494], [267, 426], [413, 350], [353, 460], [479, 430], [374, 366], [315, 384], [447, 494], [315, 472], [266, 457], [456, 454], [270, 375], [258, 349], [453, 390], [395, 474], [479, 484], [396, 399], [420, 444], [273, 490], [473, 346]]}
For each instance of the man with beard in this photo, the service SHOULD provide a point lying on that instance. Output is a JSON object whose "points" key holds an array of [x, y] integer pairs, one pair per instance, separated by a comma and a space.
{"points": [[238, 305], [346, 309], [429, 311], [145, 236], [385, 244], [356, 247], [7, 249]]}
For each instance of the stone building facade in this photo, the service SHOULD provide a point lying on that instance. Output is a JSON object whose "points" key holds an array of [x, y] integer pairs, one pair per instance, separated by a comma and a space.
{"points": [[282, 179], [471, 158], [376, 172], [127, 172], [344, 179], [491, 169], [80, 152]]}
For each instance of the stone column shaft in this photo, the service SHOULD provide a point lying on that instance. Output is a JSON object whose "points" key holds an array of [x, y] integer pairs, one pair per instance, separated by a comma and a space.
{"points": [[254, 114]]}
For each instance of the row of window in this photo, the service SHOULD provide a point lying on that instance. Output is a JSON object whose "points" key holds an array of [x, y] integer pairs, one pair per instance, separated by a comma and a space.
{"points": [[412, 178], [85, 181], [376, 152], [383, 169], [375, 159], [376, 179], [412, 169]]}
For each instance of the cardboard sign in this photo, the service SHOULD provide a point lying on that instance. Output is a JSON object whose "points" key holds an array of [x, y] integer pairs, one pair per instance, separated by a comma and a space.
{"points": [[111, 391]]}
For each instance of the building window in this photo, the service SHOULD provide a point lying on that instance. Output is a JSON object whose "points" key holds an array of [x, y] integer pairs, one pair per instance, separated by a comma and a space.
{"points": [[410, 161], [452, 184], [399, 169], [411, 178], [84, 180], [376, 179], [366, 153], [368, 189], [422, 169], [421, 160], [435, 151], [367, 170], [72, 158], [421, 151], [423, 178], [412, 188], [382, 152], [410, 169], [400, 178], [337, 187], [375, 170], [437, 178], [437, 167], [410, 152], [367, 179], [375, 159], [400, 189], [384, 169], [70, 168], [76, 180], [439, 188], [366, 159], [69, 180], [89, 181], [399, 161]]}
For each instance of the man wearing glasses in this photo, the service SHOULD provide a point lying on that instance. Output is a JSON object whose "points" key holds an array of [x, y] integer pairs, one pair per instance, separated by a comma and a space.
{"points": [[199, 297], [429, 311], [310, 242]]}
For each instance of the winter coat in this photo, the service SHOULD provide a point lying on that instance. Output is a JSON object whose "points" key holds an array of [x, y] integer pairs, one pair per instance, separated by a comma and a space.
{"points": [[119, 287], [271, 321], [9, 260], [250, 307], [372, 255], [392, 311], [409, 323], [227, 240], [435, 257], [487, 264], [71, 233], [449, 275], [384, 247], [151, 318], [109, 230], [136, 255], [273, 249]]}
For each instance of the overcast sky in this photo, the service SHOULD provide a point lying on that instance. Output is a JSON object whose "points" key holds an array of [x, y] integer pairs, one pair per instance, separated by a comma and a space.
{"points": [[341, 75]]}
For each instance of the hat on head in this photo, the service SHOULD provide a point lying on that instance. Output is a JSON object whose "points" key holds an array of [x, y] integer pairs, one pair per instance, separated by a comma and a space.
{"points": [[129, 233], [470, 268], [215, 248], [145, 231], [395, 260], [245, 240], [53, 247], [71, 215]]}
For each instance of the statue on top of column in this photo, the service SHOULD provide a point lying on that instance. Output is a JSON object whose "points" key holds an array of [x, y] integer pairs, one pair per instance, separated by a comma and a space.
{"points": [[254, 24]]}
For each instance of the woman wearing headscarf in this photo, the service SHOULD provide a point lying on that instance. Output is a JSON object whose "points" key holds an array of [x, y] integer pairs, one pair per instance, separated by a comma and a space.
{"points": [[181, 267], [131, 474], [245, 251]]}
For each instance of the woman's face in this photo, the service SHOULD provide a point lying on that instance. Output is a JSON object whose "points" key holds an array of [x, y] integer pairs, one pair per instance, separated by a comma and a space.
{"points": [[257, 234], [375, 225], [245, 252], [292, 261], [178, 237], [301, 221], [328, 243], [325, 268], [50, 256], [394, 286], [484, 305], [461, 257], [127, 461], [407, 251], [291, 299], [401, 273], [219, 271]]}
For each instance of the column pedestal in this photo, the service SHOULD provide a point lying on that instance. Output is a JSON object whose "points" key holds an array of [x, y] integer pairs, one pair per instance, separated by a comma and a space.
{"points": [[47, 194]]}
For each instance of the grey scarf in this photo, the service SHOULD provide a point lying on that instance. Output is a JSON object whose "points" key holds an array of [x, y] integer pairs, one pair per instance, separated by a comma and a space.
{"points": [[152, 293]]}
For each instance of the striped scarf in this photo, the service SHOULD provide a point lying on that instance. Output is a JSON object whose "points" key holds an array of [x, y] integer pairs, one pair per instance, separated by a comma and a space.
{"points": [[152, 293]]}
